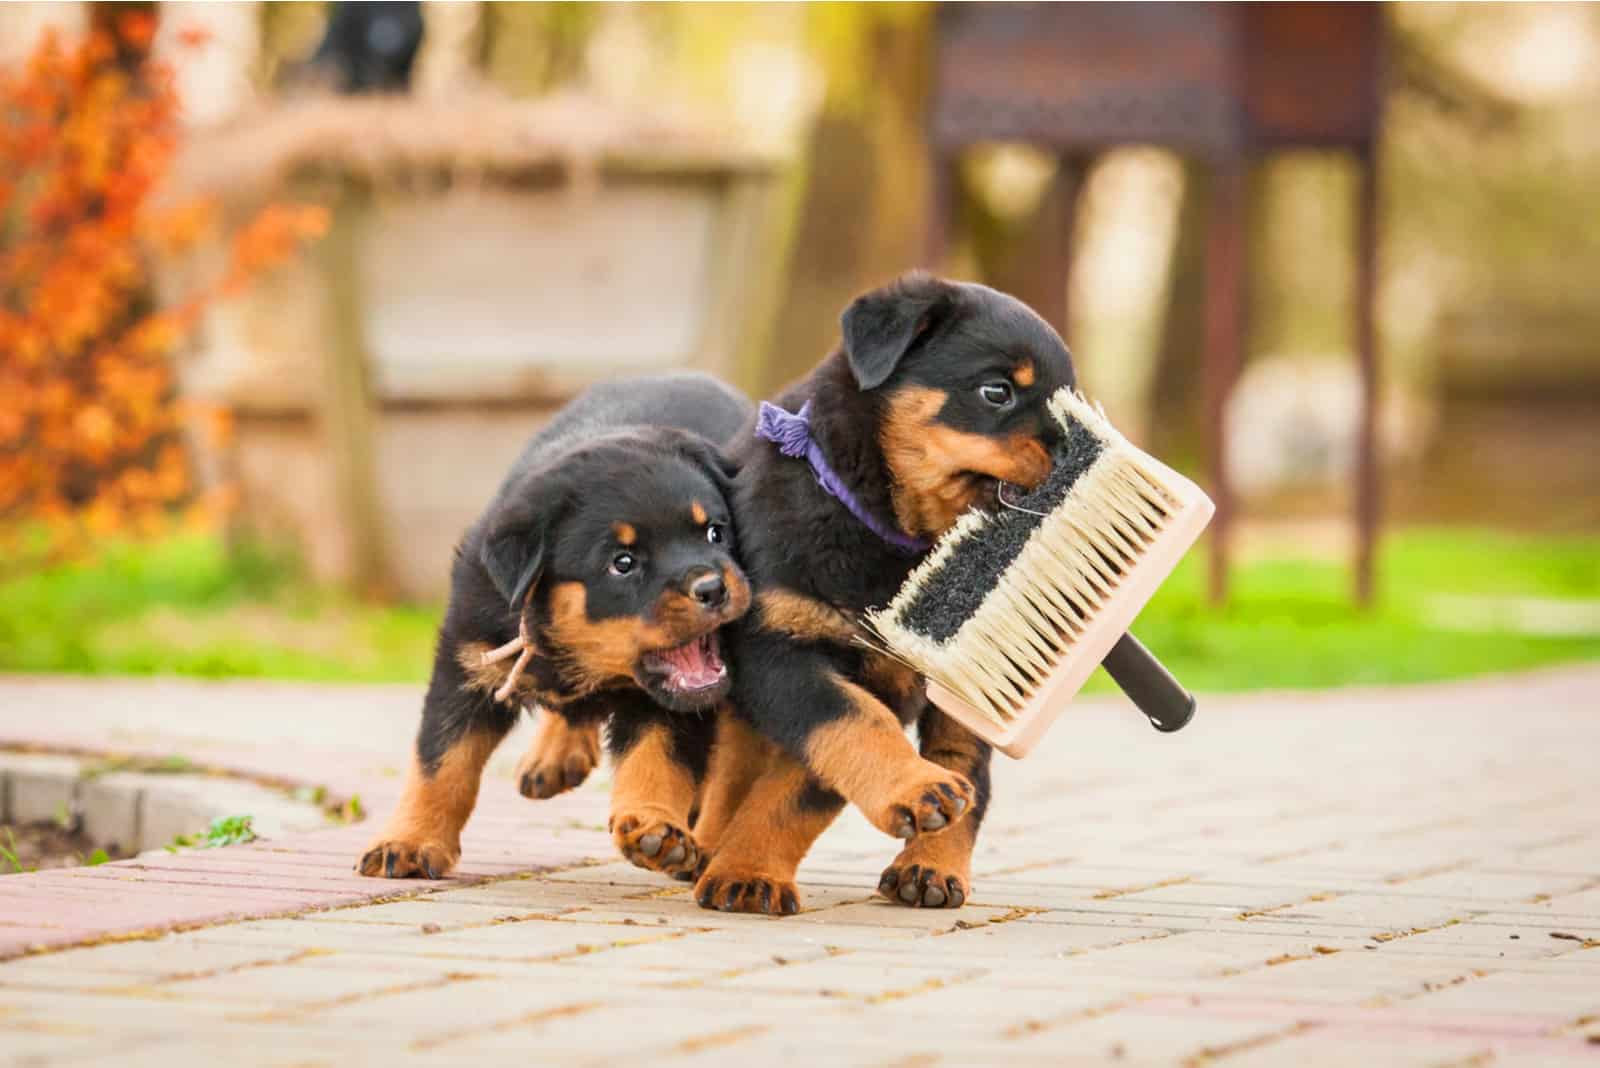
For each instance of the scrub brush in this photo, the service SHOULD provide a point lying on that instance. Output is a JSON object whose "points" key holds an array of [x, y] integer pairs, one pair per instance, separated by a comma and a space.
{"points": [[1012, 610]]}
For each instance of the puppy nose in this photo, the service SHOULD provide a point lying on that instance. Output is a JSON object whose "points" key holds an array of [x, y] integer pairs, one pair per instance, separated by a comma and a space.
{"points": [[709, 589]]}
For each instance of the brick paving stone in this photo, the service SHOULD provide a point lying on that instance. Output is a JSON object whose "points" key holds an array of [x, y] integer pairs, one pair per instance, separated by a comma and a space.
{"points": [[1331, 1048], [1208, 898]]}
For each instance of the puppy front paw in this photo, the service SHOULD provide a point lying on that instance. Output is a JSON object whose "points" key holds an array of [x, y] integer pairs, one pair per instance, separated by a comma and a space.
{"points": [[930, 800], [560, 758]]}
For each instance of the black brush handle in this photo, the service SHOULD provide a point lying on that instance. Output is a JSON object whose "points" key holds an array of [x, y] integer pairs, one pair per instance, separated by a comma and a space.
{"points": [[1149, 684]]}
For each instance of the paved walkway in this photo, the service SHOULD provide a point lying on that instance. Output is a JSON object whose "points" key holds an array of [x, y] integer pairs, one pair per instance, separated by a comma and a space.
{"points": [[1391, 877]]}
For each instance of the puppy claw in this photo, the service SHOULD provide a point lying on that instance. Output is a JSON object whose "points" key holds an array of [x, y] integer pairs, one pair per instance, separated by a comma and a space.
{"points": [[560, 759], [758, 894], [655, 843], [922, 886], [938, 798], [692, 875], [401, 859]]}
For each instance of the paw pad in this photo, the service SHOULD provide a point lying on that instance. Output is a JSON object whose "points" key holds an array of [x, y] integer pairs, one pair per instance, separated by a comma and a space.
{"points": [[756, 893], [399, 859], [921, 887], [656, 845]]}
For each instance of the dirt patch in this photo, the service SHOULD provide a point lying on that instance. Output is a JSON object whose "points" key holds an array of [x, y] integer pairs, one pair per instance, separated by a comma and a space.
{"points": [[46, 844]]}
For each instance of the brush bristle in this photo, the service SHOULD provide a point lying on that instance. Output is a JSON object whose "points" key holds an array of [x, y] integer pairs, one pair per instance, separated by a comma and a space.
{"points": [[1002, 599]]}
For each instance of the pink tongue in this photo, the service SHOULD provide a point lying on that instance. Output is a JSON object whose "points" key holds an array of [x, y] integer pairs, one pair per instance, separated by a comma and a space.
{"points": [[692, 665]]}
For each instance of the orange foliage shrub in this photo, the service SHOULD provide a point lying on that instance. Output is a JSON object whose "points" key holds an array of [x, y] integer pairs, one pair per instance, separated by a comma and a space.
{"points": [[91, 425]]}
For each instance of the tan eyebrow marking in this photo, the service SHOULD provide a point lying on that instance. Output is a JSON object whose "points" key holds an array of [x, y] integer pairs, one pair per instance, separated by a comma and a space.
{"points": [[625, 533], [1024, 374], [698, 510]]}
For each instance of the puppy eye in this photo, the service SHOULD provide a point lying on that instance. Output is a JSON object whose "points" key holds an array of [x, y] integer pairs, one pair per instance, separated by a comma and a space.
{"points": [[715, 534], [997, 393], [622, 563]]}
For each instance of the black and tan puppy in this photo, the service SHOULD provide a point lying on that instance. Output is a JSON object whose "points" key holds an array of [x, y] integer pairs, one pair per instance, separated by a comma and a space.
{"points": [[608, 548], [936, 396]]}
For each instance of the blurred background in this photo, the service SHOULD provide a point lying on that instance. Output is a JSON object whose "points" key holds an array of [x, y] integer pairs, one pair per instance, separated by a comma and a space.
{"points": [[283, 288]]}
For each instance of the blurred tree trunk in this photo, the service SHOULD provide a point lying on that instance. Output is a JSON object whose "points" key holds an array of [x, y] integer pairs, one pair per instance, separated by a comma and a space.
{"points": [[1176, 386], [528, 49], [861, 208]]}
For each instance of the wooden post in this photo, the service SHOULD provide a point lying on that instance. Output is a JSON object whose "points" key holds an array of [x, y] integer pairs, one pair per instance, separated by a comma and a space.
{"points": [[1226, 299], [1070, 180], [749, 251], [1032, 259], [1368, 492], [347, 411]]}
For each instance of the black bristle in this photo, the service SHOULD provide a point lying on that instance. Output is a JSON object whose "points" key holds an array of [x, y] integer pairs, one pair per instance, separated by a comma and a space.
{"points": [[976, 563]]}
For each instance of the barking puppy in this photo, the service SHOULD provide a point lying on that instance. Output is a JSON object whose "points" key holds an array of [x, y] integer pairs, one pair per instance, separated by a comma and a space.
{"points": [[936, 397], [605, 559]]}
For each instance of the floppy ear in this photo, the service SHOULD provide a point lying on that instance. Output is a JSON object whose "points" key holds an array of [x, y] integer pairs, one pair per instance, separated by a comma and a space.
{"points": [[880, 327], [513, 549]]}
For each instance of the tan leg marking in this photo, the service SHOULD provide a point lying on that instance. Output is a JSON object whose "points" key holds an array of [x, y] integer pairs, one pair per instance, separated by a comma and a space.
{"points": [[739, 757], [753, 869], [935, 871], [650, 800], [866, 756], [423, 837], [560, 757]]}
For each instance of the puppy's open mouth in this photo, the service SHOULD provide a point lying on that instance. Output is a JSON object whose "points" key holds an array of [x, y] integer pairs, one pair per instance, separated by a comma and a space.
{"points": [[690, 670]]}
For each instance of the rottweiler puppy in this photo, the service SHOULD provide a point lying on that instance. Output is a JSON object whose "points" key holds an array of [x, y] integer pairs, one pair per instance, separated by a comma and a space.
{"points": [[606, 562], [935, 397]]}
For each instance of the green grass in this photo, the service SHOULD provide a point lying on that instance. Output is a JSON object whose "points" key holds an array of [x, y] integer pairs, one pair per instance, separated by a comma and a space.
{"points": [[185, 607], [1290, 623], [224, 831]]}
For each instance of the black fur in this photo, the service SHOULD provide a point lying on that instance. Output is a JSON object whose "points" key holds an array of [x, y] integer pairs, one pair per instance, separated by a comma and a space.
{"points": [[636, 452]]}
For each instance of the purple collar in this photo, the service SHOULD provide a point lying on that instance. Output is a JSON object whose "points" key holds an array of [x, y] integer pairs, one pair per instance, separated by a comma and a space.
{"points": [[791, 432]]}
